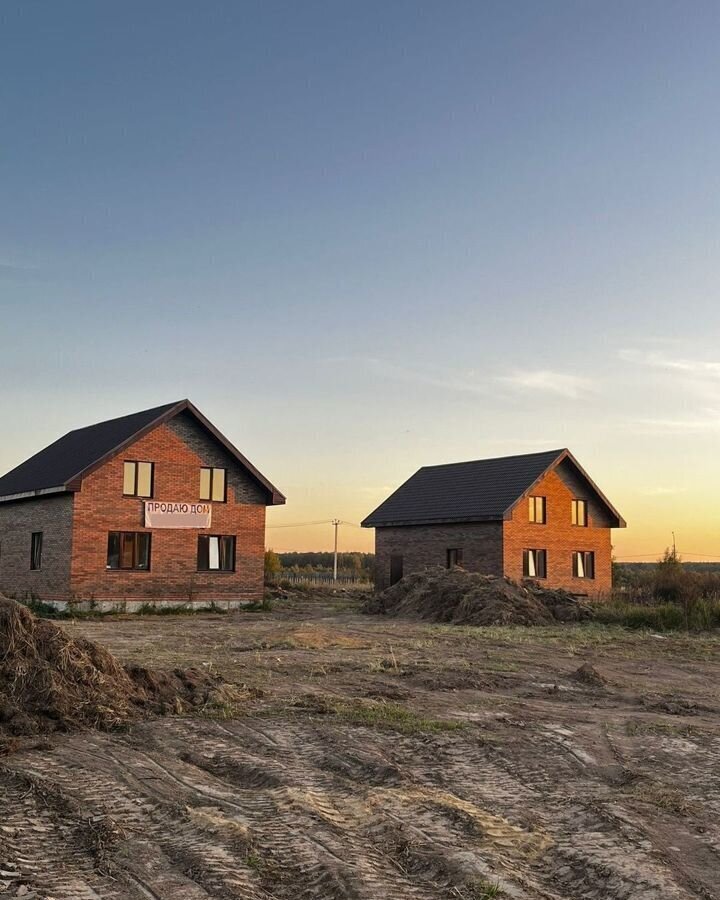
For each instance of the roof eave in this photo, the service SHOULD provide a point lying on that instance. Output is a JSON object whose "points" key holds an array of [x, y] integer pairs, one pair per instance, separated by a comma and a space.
{"points": [[31, 495], [444, 520]]}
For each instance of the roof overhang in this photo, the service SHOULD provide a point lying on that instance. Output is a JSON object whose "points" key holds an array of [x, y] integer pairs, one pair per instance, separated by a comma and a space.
{"points": [[445, 520], [30, 495]]}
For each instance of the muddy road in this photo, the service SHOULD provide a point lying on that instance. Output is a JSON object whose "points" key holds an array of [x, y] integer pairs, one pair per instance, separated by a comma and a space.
{"points": [[383, 759]]}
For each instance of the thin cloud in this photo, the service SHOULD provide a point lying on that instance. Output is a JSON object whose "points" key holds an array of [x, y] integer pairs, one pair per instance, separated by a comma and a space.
{"points": [[707, 424], [447, 379], [654, 360], [545, 381], [661, 491]]}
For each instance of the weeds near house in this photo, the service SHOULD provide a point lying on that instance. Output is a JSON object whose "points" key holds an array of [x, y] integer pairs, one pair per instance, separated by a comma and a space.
{"points": [[46, 610], [152, 609], [265, 605], [695, 615]]}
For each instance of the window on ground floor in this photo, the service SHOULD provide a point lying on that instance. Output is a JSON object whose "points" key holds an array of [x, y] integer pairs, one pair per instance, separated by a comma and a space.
{"points": [[583, 564], [216, 553], [128, 550], [454, 557], [36, 545], [535, 563]]}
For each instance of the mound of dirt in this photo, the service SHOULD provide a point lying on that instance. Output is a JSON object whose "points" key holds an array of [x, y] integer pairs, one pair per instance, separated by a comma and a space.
{"points": [[51, 681], [468, 598], [589, 675]]}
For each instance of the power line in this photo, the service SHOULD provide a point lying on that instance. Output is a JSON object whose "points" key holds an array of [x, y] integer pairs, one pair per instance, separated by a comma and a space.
{"points": [[302, 524]]}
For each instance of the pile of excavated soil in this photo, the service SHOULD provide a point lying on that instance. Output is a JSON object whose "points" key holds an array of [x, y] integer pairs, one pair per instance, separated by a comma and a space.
{"points": [[468, 598], [51, 681]]}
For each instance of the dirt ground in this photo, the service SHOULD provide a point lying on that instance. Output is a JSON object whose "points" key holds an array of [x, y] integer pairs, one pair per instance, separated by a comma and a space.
{"points": [[383, 759]]}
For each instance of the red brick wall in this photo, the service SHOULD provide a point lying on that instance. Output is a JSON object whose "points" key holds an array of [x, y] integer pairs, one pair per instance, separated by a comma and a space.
{"points": [[559, 537], [178, 450]]}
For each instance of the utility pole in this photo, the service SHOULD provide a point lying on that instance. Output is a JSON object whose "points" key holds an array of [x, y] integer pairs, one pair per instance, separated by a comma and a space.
{"points": [[674, 548], [335, 522]]}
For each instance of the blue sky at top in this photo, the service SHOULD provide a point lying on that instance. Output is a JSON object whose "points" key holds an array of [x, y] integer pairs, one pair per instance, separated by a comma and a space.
{"points": [[367, 236]]}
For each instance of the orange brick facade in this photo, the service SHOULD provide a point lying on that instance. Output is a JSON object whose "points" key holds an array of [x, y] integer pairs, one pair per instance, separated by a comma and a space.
{"points": [[178, 449], [559, 537]]}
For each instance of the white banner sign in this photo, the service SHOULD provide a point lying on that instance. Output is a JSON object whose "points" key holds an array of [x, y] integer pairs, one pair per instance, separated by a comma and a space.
{"points": [[160, 514]]}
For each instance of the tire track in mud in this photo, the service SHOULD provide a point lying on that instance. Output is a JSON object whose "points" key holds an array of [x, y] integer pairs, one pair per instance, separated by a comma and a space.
{"points": [[277, 808]]}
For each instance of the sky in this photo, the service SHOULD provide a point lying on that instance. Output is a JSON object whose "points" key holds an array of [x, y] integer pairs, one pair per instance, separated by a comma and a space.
{"points": [[367, 237]]}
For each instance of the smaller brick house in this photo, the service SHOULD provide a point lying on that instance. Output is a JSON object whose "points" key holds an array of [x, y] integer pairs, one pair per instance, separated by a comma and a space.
{"points": [[537, 516], [154, 507]]}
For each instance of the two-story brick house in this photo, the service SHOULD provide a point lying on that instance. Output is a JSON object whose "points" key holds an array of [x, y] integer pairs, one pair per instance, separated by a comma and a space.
{"points": [[153, 507], [537, 516]]}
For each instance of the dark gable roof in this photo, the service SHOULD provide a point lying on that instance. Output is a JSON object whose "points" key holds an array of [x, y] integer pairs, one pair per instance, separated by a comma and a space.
{"points": [[62, 465], [478, 491]]}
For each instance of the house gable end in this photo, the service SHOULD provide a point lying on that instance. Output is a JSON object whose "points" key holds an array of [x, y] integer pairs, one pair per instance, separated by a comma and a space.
{"points": [[573, 474]]}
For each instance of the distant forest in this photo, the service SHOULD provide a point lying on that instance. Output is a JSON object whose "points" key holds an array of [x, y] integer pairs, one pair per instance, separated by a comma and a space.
{"points": [[358, 564], [688, 566]]}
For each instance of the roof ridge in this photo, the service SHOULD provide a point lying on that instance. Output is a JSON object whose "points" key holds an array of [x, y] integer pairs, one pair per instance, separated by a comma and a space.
{"points": [[485, 459], [140, 412]]}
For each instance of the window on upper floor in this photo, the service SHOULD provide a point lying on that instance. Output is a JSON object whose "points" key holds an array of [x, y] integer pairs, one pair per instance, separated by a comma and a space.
{"points": [[216, 553], [534, 563], [36, 546], [213, 484], [128, 550], [138, 478], [583, 562], [537, 510], [579, 512]]}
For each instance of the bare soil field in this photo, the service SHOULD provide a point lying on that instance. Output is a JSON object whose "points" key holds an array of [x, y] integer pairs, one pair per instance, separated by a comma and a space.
{"points": [[383, 758]]}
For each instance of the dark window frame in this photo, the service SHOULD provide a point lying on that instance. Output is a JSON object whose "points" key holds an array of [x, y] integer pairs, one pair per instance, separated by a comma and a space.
{"points": [[136, 463], [220, 537], [587, 555], [36, 551], [532, 509], [576, 504], [453, 557], [212, 470], [540, 562], [135, 554]]}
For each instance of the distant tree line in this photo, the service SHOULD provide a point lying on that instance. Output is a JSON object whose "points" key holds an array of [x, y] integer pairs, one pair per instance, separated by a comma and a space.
{"points": [[359, 565], [669, 580]]}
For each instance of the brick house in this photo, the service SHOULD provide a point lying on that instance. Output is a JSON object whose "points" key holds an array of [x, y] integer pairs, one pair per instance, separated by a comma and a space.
{"points": [[537, 516], [153, 507]]}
